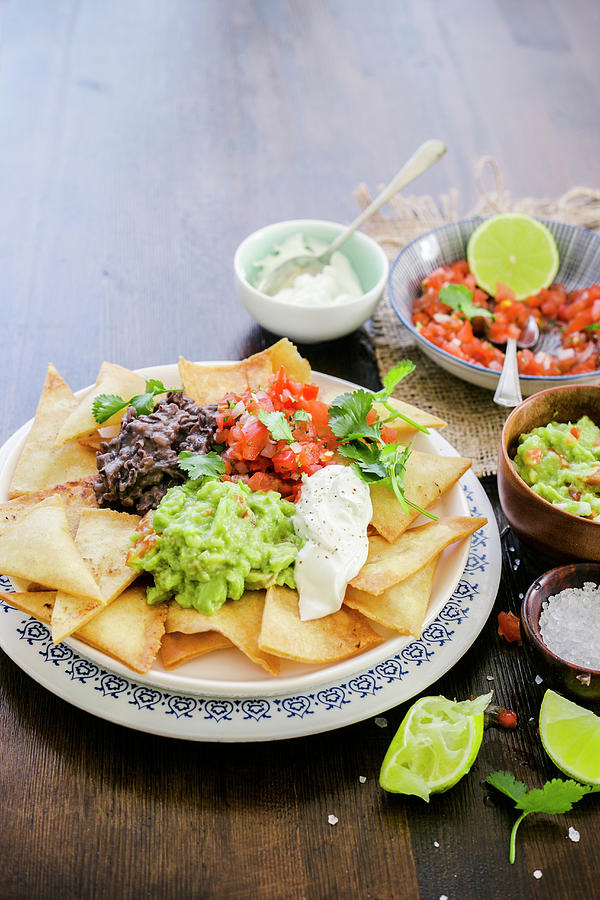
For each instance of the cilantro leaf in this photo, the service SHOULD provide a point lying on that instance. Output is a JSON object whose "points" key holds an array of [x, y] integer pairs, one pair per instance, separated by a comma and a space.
{"points": [[595, 326], [366, 461], [106, 405], [395, 376], [555, 797], [278, 425], [459, 298], [201, 465], [301, 416], [348, 416], [508, 784]]}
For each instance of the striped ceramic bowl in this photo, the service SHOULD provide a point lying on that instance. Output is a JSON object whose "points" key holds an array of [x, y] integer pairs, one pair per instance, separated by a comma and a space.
{"points": [[579, 253]]}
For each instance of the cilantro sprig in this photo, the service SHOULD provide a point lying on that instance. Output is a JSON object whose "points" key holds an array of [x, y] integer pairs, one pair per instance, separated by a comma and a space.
{"points": [[359, 438], [201, 465], [459, 298], [106, 405], [595, 326], [555, 797]]}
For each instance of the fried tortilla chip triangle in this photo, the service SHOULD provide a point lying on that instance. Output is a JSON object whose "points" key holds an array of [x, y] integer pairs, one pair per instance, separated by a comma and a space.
{"points": [[285, 354], [39, 548], [76, 495], [38, 604], [128, 629], [426, 478], [403, 430], [104, 540], [387, 564], [403, 606], [338, 636], [41, 464], [178, 648], [112, 379], [207, 384], [238, 620]]}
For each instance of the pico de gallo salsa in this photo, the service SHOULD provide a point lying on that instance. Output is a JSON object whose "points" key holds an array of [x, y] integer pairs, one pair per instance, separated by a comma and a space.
{"points": [[275, 434], [573, 316]]}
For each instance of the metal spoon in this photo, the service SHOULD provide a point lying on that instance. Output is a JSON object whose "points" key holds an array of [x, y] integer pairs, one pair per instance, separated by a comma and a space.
{"points": [[508, 391], [285, 274]]}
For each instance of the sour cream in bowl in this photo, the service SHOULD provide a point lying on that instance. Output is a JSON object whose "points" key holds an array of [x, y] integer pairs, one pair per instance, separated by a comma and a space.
{"points": [[319, 307]]}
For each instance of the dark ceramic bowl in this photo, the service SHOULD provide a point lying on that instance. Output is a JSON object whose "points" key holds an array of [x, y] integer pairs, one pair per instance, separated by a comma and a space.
{"points": [[582, 683], [548, 529]]}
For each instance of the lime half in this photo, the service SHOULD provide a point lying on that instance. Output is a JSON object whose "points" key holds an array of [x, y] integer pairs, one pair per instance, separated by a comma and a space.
{"points": [[514, 250], [571, 737], [436, 745]]}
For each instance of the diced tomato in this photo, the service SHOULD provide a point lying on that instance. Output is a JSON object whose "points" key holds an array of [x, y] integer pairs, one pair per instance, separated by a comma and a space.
{"points": [[509, 627]]}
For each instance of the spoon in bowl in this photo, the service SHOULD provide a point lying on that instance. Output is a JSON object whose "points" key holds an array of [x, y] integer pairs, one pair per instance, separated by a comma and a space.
{"points": [[508, 391], [285, 274]]}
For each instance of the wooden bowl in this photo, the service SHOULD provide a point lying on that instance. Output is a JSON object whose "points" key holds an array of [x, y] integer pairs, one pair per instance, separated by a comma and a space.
{"points": [[582, 683], [548, 529]]}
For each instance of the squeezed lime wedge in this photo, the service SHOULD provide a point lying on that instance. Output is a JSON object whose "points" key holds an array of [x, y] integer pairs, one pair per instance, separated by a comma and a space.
{"points": [[570, 736], [514, 250], [435, 745]]}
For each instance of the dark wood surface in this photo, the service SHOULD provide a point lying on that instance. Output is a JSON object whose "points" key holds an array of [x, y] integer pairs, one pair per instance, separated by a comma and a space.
{"points": [[140, 142]]}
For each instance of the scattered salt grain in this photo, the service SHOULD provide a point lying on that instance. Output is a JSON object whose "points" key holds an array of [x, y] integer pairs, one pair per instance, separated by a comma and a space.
{"points": [[443, 897], [521, 596], [436, 843], [538, 679], [574, 835], [333, 820], [362, 778], [538, 874], [489, 677], [568, 623], [381, 722]]}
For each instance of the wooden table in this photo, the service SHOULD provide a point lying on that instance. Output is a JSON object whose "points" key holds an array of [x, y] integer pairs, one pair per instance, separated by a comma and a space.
{"points": [[140, 143]]}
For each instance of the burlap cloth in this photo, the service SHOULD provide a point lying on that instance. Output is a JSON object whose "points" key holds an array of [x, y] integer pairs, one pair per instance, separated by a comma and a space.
{"points": [[474, 420]]}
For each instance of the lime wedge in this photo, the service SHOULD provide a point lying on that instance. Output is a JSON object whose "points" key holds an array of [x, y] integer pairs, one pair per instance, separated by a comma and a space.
{"points": [[571, 737], [436, 745], [514, 250]]}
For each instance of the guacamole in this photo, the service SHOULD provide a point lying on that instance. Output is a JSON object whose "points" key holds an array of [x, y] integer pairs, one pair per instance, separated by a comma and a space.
{"points": [[561, 463], [215, 539]]}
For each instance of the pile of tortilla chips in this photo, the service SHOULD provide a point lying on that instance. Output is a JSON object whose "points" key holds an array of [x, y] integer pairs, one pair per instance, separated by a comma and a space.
{"points": [[68, 557]]}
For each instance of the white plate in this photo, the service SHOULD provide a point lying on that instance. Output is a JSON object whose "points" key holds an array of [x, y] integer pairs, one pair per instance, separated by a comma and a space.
{"points": [[224, 697]]}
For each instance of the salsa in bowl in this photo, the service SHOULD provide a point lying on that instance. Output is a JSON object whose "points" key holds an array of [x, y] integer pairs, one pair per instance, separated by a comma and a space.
{"points": [[566, 312]]}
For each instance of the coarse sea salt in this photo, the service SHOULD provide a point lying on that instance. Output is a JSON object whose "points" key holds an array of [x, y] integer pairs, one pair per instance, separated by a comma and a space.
{"points": [[570, 623]]}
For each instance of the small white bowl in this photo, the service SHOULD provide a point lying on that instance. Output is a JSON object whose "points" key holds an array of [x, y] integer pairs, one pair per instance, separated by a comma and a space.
{"points": [[309, 324]]}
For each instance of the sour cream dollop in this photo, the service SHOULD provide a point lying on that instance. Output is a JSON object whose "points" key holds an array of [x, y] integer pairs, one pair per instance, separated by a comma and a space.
{"points": [[332, 515], [337, 284]]}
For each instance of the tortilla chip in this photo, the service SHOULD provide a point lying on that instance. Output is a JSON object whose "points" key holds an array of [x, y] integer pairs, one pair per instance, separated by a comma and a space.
{"points": [[387, 564], [208, 384], [402, 429], [285, 354], [38, 604], [403, 606], [238, 620], [76, 495], [112, 379], [179, 648], [327, 640], [41, 464], [39, 547], [427, 477], [128, 629], [104, 540]]}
